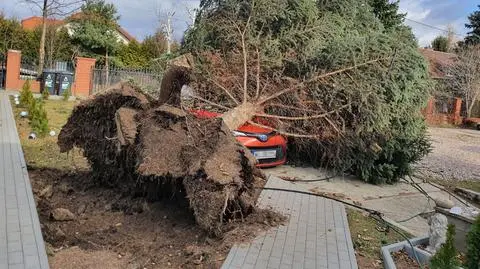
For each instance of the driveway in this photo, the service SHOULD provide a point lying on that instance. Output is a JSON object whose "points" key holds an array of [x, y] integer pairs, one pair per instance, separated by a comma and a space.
{"points": [[455, 155]]}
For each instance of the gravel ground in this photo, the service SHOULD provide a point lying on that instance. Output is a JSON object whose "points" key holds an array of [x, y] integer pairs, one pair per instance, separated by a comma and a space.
{"points": [[455, 155]]}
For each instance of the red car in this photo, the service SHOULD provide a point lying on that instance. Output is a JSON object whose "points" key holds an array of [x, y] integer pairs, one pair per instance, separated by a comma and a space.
{"points": [[266, 145]]}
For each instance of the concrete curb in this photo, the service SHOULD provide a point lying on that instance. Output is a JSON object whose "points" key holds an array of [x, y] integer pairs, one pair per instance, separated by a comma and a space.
{"points": [[423, 256], [468, 194]]}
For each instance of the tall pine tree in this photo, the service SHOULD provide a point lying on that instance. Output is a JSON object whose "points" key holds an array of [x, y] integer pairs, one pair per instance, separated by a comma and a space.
{"points": [[473, 37], [95, 28], [387, 13]]}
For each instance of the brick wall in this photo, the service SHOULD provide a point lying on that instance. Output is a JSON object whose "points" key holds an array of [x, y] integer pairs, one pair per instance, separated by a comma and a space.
{"points": [[433, 117], [80, 87]]}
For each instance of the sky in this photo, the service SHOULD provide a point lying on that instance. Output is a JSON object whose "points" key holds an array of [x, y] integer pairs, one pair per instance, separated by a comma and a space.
{"points": [[437, 13], [142, 17]]}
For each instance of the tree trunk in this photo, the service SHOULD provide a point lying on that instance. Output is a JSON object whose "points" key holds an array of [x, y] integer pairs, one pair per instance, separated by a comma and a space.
{"points": [[41, 52], [107, 69], [240, 115], [470, 106]]}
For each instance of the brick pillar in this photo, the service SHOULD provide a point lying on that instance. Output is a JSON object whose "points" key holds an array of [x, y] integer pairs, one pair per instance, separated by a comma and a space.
{"points": [[13, 70], [457, 110], [430, 109], [83, 76]]}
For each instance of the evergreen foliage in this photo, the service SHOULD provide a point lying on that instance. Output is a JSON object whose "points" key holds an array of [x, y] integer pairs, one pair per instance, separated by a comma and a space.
{"points": [[473, 37], [440, 43], [38, 118], [95, 27], [26, 95], [66, 94], [446, 256], [473, 246], [14, 37], [387, 12], [133, 55], [45, 94], [383, 132]]}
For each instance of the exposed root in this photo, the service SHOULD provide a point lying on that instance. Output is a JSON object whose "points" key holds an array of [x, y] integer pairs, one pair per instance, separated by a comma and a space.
{"points": [[162, 149]]}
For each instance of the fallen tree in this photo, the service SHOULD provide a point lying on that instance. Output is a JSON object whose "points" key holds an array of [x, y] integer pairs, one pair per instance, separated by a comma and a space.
{"points": [[346, 90]]}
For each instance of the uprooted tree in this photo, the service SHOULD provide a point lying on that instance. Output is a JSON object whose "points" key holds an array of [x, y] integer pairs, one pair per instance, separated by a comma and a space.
{"points": [[347, 91], [329, 76]]}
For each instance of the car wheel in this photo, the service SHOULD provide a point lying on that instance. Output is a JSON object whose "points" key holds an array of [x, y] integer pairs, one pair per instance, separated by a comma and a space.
{"points": [[478, 126]]}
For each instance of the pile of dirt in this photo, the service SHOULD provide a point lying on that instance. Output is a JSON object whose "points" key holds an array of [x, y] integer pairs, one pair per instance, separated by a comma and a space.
{"points": [[153, 149], [114, 230]]}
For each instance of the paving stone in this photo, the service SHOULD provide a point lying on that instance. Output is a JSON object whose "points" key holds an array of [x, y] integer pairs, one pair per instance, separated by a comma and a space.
{"points": [[314, 237], [21, 226], [15, 257]]}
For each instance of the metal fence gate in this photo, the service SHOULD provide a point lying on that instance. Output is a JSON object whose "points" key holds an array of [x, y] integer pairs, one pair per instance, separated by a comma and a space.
{"points": [[3, 70]]}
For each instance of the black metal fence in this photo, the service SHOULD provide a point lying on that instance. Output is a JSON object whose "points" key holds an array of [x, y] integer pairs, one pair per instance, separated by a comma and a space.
{"points": [[3, 70], [28, 68], [148, 80]]}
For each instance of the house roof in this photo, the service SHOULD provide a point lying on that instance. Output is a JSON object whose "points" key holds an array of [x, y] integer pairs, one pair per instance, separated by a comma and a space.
{"points": [[437, 62], [31, 23], [126, 34]]}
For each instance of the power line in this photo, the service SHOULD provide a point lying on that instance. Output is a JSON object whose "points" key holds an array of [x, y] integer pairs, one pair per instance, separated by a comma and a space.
{"points": [[433, 27]]}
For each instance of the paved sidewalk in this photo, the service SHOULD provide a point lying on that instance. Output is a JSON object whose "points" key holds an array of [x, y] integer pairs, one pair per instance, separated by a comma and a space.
{"points": [[21, 242], [316, 235], [399, 202]]}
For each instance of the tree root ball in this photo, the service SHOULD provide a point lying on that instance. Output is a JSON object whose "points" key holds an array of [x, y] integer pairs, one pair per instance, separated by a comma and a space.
{"points": [[135, 143]]}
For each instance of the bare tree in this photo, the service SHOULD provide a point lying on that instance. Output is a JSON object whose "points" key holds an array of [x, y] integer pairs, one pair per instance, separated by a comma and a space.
{"points": [[48, 9], [192, 15], [166, 26], [451, 37], [465, 76]]}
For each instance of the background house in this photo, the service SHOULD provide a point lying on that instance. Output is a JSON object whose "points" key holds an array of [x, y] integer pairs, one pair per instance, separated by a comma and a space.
{"points": [[438, 62], [34, 22]]}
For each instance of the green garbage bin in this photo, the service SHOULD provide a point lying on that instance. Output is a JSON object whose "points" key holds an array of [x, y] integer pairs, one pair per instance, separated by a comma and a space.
{"points": [[48, 81], [65, 81]]}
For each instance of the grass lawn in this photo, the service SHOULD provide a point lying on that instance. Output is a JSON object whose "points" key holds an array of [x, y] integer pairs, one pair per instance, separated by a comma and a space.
{"points": [[368, 237], [44, 152]]}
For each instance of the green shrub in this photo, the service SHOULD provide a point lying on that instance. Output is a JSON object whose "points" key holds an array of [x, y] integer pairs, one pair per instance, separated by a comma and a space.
{"points": [[66, 94], [446, 256], [473, 246], [26, 95], [45, 94], [38, 118]]}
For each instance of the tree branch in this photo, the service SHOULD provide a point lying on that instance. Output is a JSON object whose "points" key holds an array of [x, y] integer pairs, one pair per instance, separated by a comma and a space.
{"points": [[258, 74], [283, 133], [210, 102], [225, 90], [302, 84], [304, 117]]}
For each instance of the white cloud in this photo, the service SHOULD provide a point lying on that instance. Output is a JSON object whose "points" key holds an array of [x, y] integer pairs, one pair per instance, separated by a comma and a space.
{"points": [[415, 9], [423, 16], [143, 19], [139, 18]]}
